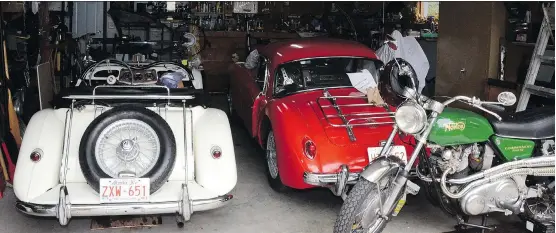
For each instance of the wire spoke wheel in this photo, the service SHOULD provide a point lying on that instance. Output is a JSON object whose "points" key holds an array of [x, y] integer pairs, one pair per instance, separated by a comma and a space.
{"points": [[271, 158], [127, 141], [127, 147], [361, 211], [367, 218]]}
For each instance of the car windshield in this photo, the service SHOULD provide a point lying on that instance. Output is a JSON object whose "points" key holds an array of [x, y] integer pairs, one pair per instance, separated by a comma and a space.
{"points": [[318, 73]]}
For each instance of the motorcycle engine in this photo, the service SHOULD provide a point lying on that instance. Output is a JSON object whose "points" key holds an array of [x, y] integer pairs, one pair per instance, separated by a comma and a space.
{"points": [[465, 160], [462, 159]]}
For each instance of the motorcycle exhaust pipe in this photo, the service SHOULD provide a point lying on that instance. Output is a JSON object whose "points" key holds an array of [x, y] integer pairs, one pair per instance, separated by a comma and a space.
{"points": [[544, 161], [538, 171], [526, 163]]}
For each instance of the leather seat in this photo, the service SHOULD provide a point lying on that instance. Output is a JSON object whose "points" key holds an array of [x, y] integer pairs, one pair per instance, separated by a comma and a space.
{"points": [[532, 124]]}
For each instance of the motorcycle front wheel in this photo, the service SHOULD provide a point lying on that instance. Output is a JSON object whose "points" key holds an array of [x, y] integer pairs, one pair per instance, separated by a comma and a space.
{"points": [[359, 213]]}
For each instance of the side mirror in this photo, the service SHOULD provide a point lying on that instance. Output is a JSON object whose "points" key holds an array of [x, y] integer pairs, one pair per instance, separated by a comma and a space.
{"points": [[507, 98], [391, 42]]}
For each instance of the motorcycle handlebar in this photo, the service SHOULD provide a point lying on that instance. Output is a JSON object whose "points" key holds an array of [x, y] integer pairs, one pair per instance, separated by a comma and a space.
{"points": [[476, 102], [494, 107], [461, 97]]}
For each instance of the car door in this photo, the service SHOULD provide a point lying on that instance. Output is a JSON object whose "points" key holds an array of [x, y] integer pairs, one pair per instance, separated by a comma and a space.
{"points": [[254, 92], [261, 100]]}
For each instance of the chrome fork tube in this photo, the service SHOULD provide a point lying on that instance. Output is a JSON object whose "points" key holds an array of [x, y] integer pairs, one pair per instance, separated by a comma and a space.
{"points": [[422, 140], [401, 179], [388, 145]]}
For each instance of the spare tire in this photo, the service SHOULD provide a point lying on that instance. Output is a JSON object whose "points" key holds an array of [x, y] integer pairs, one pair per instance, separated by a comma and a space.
{"points": [[127, 141]]}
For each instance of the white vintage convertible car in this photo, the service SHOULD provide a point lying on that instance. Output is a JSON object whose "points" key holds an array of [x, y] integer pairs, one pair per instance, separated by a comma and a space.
{"points": [[125, 150]]}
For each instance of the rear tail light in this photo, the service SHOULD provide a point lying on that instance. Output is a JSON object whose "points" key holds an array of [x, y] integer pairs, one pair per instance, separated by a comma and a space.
{"points": [[216, 152], [36, 155], [310, 149]]}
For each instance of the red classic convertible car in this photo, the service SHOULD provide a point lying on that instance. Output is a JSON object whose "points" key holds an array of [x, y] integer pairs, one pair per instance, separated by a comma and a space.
{"points": [[301, 107]]}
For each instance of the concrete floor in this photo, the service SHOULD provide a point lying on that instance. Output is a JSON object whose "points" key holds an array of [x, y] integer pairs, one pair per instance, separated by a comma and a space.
{"points": [[255, 208]]}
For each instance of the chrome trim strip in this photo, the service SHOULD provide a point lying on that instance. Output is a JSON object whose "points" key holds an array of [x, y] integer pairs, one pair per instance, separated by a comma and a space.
{"points": [[122, 209], [310, 58], [531, 138], [145, 97], [66, 144], [315, 89], [325, 180], [336, 182]]}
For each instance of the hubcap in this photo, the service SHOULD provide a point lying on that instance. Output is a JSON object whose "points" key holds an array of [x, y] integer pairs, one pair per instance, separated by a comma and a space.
{"points": [[129, 147], [271, 156]]}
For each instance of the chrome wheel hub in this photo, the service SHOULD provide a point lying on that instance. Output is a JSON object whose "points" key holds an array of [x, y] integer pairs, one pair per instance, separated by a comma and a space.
{"points": [[127, 148], [271, 159]]}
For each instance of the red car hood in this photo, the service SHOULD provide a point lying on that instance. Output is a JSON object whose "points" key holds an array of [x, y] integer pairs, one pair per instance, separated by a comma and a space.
{"points": [[314, 108]]}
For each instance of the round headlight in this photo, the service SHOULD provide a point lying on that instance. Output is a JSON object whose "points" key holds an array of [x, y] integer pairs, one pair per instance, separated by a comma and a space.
{"points": [[410, 118]]}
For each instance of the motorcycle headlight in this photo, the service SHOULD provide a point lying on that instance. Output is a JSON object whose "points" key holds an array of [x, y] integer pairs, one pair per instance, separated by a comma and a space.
{"points": [[410, 118]]}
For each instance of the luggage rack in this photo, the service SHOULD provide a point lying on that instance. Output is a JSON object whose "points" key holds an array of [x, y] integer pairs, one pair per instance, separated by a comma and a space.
{"points": [[353, 119], [165, 96]]}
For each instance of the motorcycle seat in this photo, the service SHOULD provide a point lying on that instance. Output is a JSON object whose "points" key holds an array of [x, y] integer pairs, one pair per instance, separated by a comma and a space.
{"points": [[537, 123]]}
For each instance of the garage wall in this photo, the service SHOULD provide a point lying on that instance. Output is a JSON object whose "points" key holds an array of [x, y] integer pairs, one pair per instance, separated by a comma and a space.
{"points": [[469, 35]]}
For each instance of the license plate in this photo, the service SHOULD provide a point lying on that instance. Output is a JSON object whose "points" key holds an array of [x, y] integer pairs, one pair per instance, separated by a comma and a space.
{"points": [[124, 190], [398, 151]]}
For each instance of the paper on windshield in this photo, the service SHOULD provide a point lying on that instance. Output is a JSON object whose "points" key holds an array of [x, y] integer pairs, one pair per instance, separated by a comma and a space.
{"points": [[362, 80]]}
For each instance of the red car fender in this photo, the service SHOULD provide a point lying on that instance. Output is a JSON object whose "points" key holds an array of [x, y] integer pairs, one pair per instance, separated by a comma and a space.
{"points": [[289, 131]]}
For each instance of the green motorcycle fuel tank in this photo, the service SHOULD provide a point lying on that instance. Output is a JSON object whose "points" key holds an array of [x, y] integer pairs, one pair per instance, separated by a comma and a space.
{"points": [[457, 126]]}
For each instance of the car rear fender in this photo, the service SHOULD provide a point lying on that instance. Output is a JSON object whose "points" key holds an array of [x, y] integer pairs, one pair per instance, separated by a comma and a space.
{"points": [[44, 133], [211, 131], [290, 128]]}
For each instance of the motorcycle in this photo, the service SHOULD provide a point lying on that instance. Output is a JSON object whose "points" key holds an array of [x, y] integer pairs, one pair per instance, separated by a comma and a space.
{"points": [[477, 165]]}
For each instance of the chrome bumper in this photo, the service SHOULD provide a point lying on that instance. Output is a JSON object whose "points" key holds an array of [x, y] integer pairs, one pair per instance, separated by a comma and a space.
{"points": [[337, 182], [122, 209]]}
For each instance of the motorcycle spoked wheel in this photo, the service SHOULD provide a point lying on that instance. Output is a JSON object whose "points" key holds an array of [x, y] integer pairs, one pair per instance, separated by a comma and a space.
{"points": [[541, 209], [359, 211]]}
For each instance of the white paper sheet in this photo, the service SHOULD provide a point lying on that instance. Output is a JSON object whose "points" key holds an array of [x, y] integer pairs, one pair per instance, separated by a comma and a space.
{"points": [[362, 80]]}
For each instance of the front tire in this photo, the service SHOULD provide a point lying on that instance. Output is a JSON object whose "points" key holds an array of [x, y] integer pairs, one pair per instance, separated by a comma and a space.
{"points": [[361, 206], [272, 171]]}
